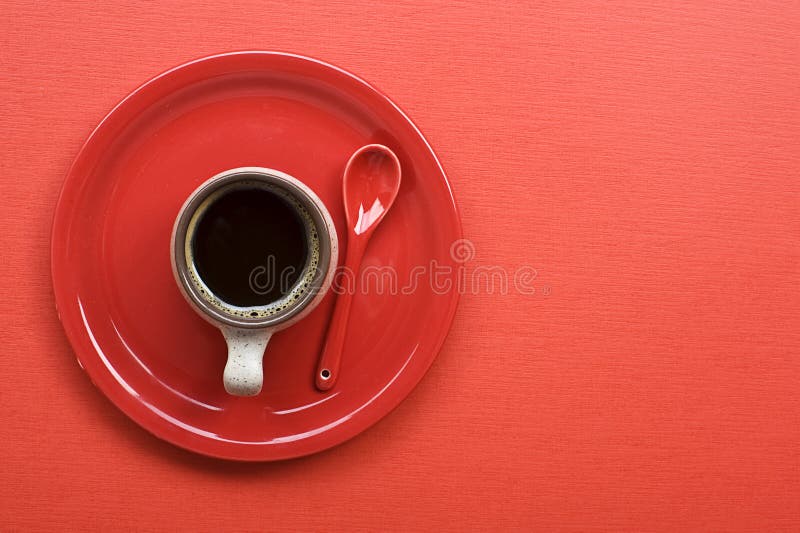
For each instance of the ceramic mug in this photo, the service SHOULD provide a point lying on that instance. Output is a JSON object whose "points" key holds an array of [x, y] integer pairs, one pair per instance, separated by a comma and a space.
{"points": [[247, 329]]}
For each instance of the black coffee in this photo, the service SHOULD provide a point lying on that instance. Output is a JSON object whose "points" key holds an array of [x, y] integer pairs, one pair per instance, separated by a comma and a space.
{"points": [[250, 247]]}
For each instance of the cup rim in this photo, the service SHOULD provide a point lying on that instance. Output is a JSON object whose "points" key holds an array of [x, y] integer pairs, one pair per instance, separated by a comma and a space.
{"points": [[328, 248]]}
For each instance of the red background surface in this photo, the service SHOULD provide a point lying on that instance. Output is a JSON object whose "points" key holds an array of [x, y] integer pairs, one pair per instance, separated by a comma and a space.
{"points": [[645, 160]]}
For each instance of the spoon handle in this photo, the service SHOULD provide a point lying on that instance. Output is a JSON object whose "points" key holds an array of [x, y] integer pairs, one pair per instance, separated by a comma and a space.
{"points": [[328, 368]]}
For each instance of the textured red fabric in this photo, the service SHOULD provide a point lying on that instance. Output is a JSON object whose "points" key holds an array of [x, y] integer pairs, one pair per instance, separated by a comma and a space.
{"points": [[643, 159]]}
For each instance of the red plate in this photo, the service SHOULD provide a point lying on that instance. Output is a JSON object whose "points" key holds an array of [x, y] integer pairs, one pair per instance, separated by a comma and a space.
{"points": [[138, 339]]}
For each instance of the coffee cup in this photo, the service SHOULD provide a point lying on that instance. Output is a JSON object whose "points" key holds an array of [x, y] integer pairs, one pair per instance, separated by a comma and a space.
{"points": [[253, 251]]}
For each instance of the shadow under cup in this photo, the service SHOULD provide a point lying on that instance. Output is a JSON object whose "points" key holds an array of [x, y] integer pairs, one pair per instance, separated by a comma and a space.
{"points": [[253, 248]]}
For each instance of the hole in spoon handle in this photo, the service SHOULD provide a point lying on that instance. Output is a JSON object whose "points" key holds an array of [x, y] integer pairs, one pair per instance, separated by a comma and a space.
{"points": [[325, 379]]}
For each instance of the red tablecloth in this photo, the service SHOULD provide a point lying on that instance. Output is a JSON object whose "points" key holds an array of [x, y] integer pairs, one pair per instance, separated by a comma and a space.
{"points": [[643, 160]]}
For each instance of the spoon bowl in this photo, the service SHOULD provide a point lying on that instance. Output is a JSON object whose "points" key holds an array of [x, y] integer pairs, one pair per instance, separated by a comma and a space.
{"points": [[370, 186]]}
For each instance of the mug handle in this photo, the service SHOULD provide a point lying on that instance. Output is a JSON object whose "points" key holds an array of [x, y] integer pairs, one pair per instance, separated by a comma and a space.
{"points": [[244, 374]]}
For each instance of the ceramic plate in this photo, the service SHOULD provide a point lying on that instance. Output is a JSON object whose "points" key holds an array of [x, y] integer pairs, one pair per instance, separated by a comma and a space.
{"points": [[141, 343]]}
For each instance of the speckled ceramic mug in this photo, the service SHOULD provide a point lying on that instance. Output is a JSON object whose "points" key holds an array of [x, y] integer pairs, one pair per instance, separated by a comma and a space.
{"points": [[248, 328]]}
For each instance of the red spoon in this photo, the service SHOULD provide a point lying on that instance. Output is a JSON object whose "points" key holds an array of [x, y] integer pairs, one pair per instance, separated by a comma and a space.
{"points": [[370, 185]]}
